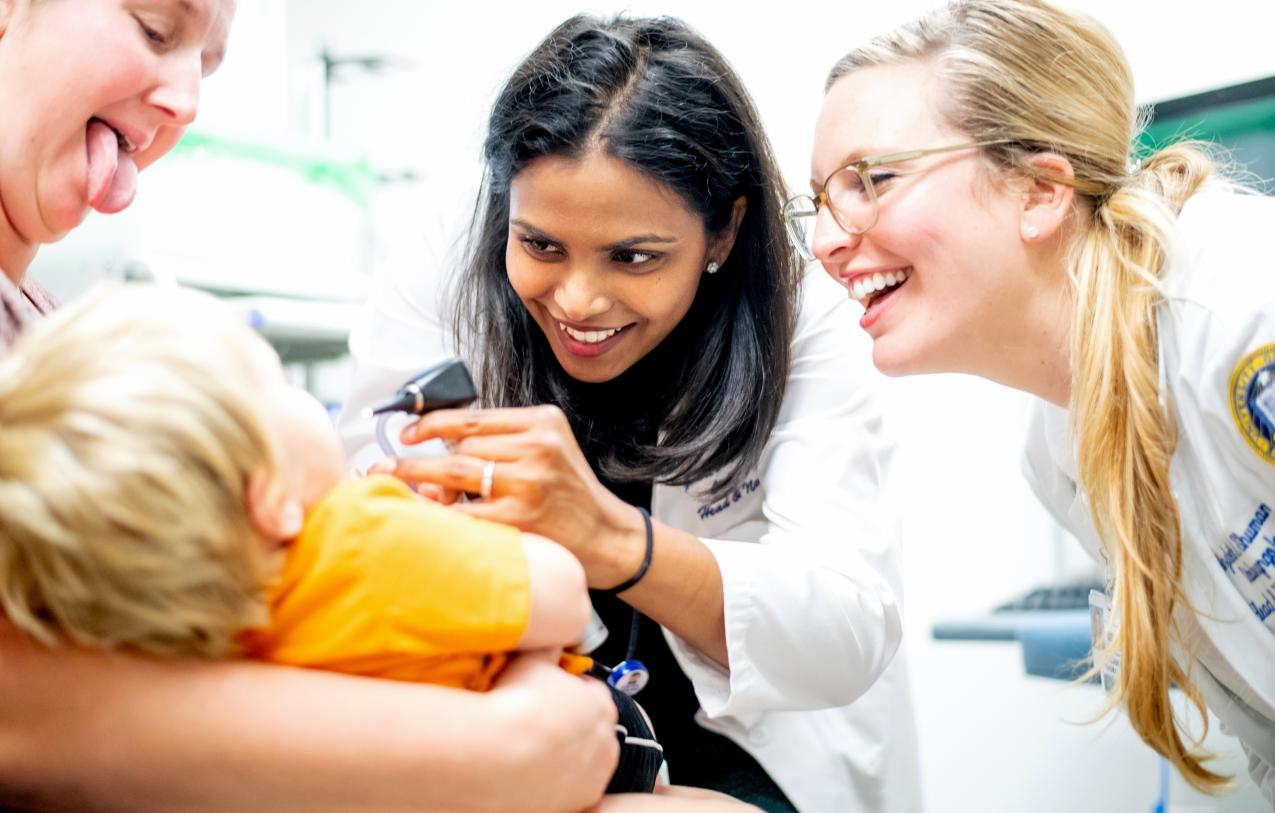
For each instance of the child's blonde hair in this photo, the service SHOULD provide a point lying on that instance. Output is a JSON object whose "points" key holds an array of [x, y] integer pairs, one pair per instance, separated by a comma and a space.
{"points": [[1044, 79], [129, 429]]}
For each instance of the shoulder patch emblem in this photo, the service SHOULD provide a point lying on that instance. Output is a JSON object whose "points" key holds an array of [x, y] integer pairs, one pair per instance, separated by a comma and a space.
{"points": [[1252, 398]]}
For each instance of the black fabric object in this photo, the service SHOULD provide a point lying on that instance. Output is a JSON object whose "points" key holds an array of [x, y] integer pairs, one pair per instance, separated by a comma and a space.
{"points": [[696, 756], [614, 415], [640, 763]]}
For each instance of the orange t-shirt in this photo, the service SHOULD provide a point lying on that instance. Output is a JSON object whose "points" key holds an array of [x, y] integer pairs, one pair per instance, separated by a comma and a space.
{"points": [[385, 584]]}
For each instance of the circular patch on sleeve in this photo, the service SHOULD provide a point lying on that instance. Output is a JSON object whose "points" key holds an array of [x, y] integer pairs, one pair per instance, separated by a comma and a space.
{"points": [[1252, 399]]}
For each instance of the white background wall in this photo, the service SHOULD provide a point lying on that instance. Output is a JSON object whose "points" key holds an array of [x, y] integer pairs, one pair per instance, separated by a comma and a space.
{"points": [[991, 739]]}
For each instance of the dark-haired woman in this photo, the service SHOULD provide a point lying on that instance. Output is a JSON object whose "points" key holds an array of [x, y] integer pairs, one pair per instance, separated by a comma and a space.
{"points": [[627, 273]]}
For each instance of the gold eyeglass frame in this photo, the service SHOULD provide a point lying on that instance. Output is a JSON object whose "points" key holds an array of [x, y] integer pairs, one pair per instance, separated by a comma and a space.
{"points": [[861, 167]]}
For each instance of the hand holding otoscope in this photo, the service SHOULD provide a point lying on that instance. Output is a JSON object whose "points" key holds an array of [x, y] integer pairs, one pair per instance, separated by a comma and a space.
{"points": [[448, 385]]}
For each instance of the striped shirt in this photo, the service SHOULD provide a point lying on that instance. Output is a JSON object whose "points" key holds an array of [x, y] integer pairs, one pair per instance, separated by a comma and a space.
{"points": [[20, 305]]}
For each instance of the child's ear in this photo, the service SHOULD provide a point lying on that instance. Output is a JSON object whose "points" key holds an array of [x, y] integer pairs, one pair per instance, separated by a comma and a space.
{"points": [[275, 514], [6, 11]]}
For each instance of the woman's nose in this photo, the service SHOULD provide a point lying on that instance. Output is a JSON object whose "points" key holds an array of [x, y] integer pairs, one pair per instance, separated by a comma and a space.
{"points": [[831, 243], [176, 94], [580, 297]]}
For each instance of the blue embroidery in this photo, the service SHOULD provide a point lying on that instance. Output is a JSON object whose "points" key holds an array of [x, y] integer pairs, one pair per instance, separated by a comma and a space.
{"points": [[1259, 568], [713, 509], [1239, 543], [1267, 608], [1252, 555]]}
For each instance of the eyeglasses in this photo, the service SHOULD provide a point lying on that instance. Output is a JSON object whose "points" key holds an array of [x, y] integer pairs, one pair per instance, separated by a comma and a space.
{"points": [[850, 194]]}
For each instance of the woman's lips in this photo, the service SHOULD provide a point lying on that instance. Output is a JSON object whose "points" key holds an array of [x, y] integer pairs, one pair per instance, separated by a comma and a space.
{"points": [[876, 305], [588, 343], [863, 286]]}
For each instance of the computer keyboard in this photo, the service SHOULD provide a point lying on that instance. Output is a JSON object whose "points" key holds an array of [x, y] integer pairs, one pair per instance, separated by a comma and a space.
{"points": [[1047, 605], [1070, 596]]}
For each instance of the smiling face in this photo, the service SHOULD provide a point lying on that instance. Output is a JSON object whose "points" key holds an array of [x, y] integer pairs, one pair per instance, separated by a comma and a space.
{"points": [[606, 260], [946, 228], [93, 91]]}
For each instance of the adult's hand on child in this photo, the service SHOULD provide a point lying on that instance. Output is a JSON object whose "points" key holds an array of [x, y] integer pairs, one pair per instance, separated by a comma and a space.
{"points": [[569, 731], [541, 483]]}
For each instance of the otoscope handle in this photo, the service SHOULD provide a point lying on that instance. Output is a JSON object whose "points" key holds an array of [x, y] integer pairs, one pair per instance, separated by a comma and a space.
{"points": [[446, 385]]}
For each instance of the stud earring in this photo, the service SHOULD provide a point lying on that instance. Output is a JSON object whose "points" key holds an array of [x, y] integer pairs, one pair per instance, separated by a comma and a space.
{"points": [[1031, 232], [712, 267]]}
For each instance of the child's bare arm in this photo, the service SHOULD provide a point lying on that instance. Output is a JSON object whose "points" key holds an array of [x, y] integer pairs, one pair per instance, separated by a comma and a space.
{"points": [[559, 595]]}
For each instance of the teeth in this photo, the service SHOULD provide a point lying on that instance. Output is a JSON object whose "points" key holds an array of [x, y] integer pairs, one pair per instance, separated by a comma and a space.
{"points": [[863, 287], [125, 144], [589, 336]]}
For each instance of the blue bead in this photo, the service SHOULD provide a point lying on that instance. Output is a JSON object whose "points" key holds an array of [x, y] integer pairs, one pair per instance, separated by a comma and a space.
{"points": [[629, 677]]}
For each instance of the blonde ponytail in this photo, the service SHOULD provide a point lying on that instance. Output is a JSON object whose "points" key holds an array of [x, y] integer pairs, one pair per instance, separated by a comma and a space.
{"points": [[1044, 79], [1126, 441]]}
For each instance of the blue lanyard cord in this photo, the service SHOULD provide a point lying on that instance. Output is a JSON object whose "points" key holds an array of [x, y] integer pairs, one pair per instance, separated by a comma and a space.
{"points": [[633, 635]]}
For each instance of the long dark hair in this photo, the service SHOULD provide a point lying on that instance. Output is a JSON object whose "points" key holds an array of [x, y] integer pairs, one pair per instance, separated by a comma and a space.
{"points": [[652, 93]]}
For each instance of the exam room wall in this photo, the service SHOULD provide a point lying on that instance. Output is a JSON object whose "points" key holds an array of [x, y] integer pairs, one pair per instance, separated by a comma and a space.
{"points": [[991, 739]]}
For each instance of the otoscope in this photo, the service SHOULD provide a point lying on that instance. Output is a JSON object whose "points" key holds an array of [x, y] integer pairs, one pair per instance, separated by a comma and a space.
{"points": [[443, 386], [447, 385]]}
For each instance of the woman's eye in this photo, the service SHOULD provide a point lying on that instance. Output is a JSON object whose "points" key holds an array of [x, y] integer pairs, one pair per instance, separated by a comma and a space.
{"points": [[631, 257], [538, 245], [881, 178], [155, 36]]}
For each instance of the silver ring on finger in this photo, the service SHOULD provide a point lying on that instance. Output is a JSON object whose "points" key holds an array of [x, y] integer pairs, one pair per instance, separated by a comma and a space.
{"points": [[489, 475]]}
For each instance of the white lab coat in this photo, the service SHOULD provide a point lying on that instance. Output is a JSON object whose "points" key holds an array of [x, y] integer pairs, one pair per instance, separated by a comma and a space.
{"points": [[1220, 309], [808, 547]]}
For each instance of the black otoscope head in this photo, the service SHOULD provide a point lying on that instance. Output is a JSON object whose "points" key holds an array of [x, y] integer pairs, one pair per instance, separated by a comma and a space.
{"points": [[444, 386]]}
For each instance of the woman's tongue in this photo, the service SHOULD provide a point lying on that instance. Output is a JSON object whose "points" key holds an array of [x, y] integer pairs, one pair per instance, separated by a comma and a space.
{"points": [[112, 175]]}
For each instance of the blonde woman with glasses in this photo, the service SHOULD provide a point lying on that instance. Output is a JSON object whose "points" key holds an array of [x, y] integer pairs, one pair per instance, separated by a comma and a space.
{"points": [[973, 191]]}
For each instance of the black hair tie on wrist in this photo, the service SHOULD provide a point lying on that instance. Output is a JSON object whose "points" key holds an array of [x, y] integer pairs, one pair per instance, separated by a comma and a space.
{"points": [[646, 559]]}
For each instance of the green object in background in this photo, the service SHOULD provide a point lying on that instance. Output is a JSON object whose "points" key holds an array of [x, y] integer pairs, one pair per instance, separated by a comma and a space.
{"points": [[1239, 117], [1222, 124], [353, 178]]}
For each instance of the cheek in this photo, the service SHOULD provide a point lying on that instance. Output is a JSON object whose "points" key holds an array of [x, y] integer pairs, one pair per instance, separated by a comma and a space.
{"points": [[936, 219], [165, 140], [909, 238], [532, 281], [919, 220], [662, 298], [519, 276]]}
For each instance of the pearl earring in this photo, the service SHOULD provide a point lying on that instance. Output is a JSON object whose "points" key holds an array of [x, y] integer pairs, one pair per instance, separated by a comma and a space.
{"points": [[712, 267], [1031, 232]]}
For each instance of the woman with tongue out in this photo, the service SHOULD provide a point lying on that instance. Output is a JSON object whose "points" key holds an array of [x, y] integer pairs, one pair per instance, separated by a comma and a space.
{"points": [[92, 91], [706, 439], [973, 190]]}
